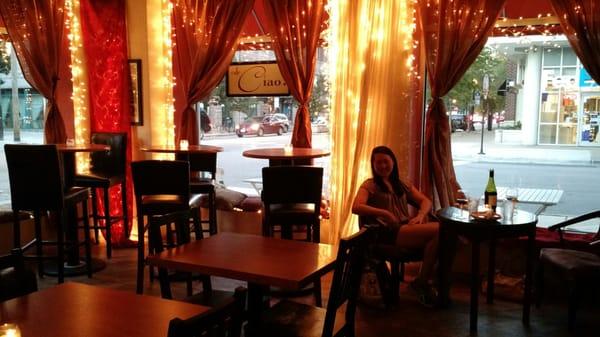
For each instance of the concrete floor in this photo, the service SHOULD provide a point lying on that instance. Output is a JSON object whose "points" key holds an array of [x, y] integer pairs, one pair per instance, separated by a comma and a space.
{"points": [[409, 318]]}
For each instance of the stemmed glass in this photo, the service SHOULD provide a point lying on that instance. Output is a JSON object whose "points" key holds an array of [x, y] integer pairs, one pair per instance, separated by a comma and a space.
{"points": [[512, 197], [461, 199]]}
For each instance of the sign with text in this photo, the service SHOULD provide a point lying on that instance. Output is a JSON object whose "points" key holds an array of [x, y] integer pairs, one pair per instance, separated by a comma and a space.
{"points": [[255, 79]]}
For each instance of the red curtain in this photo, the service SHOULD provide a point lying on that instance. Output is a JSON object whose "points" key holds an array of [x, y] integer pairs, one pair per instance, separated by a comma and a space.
{"points": [[295, 26], [103, 25], [454, 33], [35, 28], [580, 20], [205, 38]]}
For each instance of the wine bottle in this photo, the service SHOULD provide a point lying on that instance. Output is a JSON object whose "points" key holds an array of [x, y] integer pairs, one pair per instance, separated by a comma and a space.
{"points": [[491, 195]]}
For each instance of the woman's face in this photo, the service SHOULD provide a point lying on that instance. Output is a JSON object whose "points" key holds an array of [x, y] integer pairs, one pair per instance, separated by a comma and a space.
{"points": [[382, 165]]}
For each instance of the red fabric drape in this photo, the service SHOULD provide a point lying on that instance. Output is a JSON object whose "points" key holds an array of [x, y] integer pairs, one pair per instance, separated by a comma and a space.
{"points": [[580, 20], [205, 38], [454, 33], [103, 25], [295, 26], [35, 28]]}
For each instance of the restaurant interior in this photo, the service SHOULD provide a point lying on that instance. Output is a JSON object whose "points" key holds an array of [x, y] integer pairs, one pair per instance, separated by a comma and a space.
{"points": [[118, 224]]}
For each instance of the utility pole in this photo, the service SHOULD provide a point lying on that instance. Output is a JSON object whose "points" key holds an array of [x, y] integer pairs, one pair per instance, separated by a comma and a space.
{"points": [[14, 65], [486, 91]]}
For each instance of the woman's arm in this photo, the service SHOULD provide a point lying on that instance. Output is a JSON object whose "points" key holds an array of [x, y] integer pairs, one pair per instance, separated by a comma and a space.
{"points": [[360, 207], [424, 205]]}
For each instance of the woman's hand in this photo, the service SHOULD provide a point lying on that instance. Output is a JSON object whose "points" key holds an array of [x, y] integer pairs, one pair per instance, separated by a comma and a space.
{"points": [[418, 219], [389, 217]]}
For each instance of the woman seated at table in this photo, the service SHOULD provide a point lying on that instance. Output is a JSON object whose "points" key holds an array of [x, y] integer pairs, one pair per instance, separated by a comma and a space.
{"points": [[384, 199]]}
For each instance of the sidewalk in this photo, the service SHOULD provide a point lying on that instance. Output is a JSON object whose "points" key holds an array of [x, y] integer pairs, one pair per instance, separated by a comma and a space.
{"points": [[466, 147]]}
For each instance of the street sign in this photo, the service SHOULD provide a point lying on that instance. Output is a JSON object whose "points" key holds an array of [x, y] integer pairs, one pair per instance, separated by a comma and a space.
{"points": [[486, 85], [477, 98]]}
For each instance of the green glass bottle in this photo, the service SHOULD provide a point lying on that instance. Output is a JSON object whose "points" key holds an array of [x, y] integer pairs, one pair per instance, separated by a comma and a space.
{"points": [[491, 195]]}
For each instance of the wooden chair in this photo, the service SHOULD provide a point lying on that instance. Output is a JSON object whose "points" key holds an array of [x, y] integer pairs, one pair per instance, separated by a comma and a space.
{"points": [[223, 320], [292, 197], [107, 170], [202, 164], [37, 185], [579, 269], [161, 187], [161, 236], [15, 279], [381, 253], [288, 318]]}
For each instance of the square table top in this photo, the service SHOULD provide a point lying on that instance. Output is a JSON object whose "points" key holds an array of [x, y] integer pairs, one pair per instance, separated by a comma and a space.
{"points": [[75, 310], [256, 259]]}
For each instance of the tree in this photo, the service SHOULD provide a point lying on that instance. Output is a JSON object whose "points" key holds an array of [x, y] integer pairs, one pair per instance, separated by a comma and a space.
{"points": [[488, 62], [4, 58], [319, 100]]}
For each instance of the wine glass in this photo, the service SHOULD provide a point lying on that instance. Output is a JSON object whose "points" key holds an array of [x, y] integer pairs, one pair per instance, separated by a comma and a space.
{"points": [[461, 199], [512, 197]]}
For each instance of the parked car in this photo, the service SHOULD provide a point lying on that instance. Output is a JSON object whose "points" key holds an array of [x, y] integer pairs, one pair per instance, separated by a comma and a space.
{"points": [[458, 121], [262, 125], [320, 125], [283, 119]]}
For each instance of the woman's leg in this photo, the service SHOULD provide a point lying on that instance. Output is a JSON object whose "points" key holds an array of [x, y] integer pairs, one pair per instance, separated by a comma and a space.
{"points": [[419, 236]]}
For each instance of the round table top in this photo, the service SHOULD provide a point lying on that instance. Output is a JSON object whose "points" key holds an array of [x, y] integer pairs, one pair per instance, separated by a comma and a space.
{"points": [[281, 153], [462, 217], [82, 147], [178, 149]]}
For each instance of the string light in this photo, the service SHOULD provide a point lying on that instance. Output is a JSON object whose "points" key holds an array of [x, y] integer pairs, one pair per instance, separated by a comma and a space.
{"points": [[168, 79], [78, 71]]}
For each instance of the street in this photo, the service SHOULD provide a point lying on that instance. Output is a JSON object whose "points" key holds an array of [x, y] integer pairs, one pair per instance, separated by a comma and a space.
{"points": [[579, 182]]}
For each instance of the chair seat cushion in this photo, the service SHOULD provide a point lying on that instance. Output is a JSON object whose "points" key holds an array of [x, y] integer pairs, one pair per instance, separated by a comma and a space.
{"points": [[287, 319], [76, 195], [296, 214], [92, 179], [167, 203], [576, 264]]}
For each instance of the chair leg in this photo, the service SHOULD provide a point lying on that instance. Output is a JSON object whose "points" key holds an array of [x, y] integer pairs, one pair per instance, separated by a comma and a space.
{"points": [[197, 224], [573, 304], [60, 242], [38, 242], [86, 238], [107, 223], [95, 215], [318, 295], [539, 284], [395, 280], [212, 213], [140, 262], [124, 206]]}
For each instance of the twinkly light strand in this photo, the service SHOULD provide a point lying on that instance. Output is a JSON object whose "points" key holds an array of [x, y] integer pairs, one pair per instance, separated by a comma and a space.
{"points": [[78, 71], [168, 81]]}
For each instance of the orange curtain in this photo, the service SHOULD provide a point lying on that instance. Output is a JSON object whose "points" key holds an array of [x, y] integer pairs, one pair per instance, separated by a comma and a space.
{"points": [[35, 28], [205, 37], [295, 26], [454, 33], [580, 20]]}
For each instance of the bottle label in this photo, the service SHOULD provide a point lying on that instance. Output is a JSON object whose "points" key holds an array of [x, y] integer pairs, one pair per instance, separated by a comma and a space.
{"points": [[492, 201]]}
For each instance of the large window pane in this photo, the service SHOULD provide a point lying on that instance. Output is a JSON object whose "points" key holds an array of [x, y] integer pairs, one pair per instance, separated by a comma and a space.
{"points": [[569, 57], [548, 134], [552, 57]]}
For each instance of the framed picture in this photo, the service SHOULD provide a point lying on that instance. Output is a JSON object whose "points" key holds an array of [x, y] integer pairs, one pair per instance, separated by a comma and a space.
{"points": [[137, 111]]}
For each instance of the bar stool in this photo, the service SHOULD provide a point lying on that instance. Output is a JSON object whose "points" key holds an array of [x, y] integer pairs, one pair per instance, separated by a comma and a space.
{"points": [[202, 164], [107, 170], [37, 185], [161, 187]]}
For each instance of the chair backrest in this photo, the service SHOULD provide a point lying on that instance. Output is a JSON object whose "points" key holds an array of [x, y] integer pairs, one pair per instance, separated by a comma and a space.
{"points": [[114, 161], [292, 184], [161, 177], [36, 177], [224, 320], [201, 162], [349, 265], [15, 279], [157, 222]]}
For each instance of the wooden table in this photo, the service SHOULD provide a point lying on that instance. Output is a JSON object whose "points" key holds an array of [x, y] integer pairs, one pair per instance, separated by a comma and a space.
{"points": [[456, 222], [261, 261], [74, 310], [182, 150], [282, 156]]}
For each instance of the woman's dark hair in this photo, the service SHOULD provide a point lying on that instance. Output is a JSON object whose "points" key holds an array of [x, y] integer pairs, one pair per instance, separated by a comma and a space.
{"points": [[397, 185]]}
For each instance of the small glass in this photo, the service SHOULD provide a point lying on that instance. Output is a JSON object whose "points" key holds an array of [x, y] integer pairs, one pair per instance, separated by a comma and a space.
{"points": [[9, 330], [70, 142], [183, 144]]}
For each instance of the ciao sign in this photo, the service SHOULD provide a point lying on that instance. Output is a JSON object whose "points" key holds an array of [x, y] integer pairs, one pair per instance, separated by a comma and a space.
{"points": [[256, 79]]}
